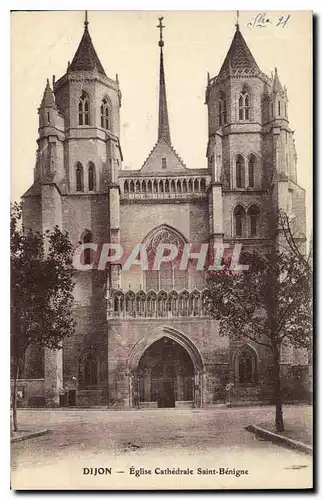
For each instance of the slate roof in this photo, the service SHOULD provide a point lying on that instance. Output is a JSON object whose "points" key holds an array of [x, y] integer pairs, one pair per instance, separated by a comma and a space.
{"points": [[239, 58], [86, 58]]}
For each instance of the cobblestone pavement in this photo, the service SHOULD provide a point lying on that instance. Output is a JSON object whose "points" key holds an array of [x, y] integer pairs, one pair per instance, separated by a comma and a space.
{"points": [[210, 440]]}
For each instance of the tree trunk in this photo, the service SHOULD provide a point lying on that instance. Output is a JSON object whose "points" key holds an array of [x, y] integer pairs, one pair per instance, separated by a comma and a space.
{"points": [[14, 395], [279, 421]]}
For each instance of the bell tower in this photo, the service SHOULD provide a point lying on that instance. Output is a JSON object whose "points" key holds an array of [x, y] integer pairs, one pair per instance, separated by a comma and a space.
{"points": [[90, 102]]}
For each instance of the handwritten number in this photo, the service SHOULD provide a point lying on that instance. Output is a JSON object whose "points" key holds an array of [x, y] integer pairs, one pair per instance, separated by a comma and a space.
{"points": [[283, 21], [261, 20]]}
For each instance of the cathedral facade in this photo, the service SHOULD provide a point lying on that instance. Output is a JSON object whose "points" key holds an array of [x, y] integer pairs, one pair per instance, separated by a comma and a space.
{"points": [[143, 337]]}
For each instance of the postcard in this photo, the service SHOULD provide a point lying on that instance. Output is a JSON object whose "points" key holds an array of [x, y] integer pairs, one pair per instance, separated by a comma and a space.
{"points": [[161, 250]]}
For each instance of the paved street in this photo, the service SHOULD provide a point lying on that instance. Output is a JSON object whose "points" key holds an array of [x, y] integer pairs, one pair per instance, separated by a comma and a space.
{"points": [[210, 439]]}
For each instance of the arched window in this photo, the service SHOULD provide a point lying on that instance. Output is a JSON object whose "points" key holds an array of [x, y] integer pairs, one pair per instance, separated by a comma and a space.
{"points": [[84, 109], [86, 238], [168, 276], [251, 171], [79, 177], [105, 114], [184, 303], [240, 177], [254, 215], [130, 300], [91, 176], [244, 106], [239, 216], [246, 365], [222, 109], [279, 108], [90, 373]]}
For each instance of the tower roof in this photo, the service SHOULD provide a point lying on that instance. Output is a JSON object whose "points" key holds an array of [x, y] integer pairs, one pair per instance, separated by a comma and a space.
{"points": [[48, 100], [163, 123], [277, 86], [239, 59], [86, 58]]}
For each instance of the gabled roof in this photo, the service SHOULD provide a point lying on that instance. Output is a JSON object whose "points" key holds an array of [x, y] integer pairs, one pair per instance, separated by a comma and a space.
{"points": [[163, 149], [86, 58], [239, 59]]}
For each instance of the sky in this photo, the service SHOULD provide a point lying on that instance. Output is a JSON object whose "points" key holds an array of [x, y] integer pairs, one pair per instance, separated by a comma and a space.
{"points": [[127, 43]]}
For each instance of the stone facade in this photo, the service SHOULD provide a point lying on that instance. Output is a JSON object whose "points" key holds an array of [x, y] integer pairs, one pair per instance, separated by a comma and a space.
{"points": [[79, 184]]}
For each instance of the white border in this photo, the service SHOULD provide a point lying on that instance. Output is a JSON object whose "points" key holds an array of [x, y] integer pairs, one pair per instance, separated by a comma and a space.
{"points": [[316, 6]]}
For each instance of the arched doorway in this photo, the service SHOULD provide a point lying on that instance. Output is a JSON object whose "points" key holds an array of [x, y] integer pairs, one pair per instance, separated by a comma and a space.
{"points": [[149, 362], [165, 375]]}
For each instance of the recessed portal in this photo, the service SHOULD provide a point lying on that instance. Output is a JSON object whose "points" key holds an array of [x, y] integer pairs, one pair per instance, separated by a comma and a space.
{"points": [[165, 374]]}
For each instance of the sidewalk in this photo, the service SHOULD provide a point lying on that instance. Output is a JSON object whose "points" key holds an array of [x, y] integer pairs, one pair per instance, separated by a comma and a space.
{"points": [[298, 433], [22, 435]]}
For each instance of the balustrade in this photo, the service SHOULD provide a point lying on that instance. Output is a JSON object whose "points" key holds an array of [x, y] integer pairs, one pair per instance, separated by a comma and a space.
{"points": [[164, 187], [162, 304]]}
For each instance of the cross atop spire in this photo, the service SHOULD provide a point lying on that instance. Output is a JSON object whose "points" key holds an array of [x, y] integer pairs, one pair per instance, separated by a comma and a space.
{"points": [[163, 124], [161, 27], [86, 22], [237, 22]]}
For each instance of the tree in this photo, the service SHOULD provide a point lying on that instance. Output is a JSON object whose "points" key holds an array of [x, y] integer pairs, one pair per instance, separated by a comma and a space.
{"points": [[41, 291], [268, 303]]}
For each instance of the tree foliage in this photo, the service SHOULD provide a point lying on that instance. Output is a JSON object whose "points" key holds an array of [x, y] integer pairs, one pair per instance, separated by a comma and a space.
{"points": [[268, 303], [41, 288]]}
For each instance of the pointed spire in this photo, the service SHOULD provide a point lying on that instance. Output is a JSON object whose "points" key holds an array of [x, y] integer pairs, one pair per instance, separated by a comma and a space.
{"points": [[277, 86], [163, 124], [86, 58], [48, 100], [239, 57]]}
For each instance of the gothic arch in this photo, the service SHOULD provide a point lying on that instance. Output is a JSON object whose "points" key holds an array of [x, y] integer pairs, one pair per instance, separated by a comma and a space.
{"points": [[252, 164], [86, 237], [249, 352], [89, 368], [79, 177], [91, 176], [105, 112], [238, 220], [84, 108], [222, 108], [169, 332], [253, 215], [165, 227], [239, 164], [244, 103]]}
